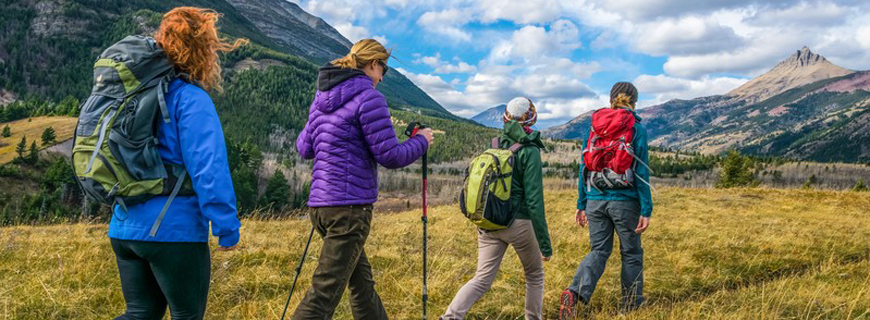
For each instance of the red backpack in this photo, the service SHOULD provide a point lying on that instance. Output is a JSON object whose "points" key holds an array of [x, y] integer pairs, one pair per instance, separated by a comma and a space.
{"points": [[609, 156]]}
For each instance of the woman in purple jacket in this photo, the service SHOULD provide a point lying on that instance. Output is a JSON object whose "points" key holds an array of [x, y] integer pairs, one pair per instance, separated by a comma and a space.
{"points": [[349, 132]]}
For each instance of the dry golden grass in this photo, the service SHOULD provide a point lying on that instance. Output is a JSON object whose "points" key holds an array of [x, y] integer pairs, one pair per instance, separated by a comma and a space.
{"points": [[64, 128], [745, 253]]}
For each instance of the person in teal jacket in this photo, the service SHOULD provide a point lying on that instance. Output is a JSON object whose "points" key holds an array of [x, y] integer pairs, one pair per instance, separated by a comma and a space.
{"points": [[173, 267], [625, 211]]}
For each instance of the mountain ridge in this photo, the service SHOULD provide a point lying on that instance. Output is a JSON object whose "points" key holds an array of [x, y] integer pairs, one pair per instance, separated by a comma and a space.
{"points": [[69, 36]]}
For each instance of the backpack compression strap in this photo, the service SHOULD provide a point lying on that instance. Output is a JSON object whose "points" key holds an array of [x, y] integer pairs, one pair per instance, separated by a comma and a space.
{"points": [[172, 195]]}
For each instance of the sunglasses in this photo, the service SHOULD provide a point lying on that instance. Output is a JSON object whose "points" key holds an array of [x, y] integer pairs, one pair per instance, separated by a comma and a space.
{"points": [[384, 65]]}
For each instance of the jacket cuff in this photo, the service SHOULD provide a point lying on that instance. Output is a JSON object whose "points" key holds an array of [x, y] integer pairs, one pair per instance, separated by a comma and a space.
{"points": [[646, 213], [229, 240], [581, 205], [547, 252], [424, 142]]}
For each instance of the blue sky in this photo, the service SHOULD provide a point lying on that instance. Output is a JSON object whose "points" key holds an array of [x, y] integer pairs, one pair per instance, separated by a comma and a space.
{"points": [[565, 55]]}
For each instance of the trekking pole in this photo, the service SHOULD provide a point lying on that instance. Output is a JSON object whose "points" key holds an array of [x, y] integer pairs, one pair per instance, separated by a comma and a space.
{"points": [[411, 131], [425, 242], [298, 270]]}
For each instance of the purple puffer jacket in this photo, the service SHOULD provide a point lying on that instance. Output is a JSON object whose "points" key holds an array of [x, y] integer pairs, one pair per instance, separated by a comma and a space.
{"points": [[349, 132]]}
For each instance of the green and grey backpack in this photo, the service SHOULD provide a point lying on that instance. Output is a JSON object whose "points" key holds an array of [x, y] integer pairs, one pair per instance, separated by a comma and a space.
{"points": [[486, 192], [115, 148]]}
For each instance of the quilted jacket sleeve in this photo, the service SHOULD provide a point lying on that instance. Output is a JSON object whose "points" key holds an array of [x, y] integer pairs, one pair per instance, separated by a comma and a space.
{"points": [[377, 128], [304, 144]]}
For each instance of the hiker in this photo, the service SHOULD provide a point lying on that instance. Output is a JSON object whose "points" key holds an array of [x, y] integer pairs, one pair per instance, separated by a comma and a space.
{"points": [[613, 195], [527, 233], [172, 266], [348, 133]]}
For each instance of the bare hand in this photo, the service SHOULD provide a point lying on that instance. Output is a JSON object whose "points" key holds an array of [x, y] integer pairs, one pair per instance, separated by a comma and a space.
{"points": [[642, 225], [545, 259], [426, 133], [580, 218], [233, 248]]}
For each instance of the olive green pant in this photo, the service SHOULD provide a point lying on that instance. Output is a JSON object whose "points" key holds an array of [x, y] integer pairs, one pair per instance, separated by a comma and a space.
{"points": [[342, 263]]}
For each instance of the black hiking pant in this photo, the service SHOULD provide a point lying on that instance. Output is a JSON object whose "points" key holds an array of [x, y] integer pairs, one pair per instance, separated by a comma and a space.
{"points": [[154, 274], [342, 263]]}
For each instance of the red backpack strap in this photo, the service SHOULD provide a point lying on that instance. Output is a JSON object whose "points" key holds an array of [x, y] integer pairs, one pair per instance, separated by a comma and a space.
{"points": [[495, 142]]}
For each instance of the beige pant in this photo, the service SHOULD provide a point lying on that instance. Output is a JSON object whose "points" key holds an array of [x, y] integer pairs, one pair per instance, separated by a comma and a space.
{"points": [[491, 247]]}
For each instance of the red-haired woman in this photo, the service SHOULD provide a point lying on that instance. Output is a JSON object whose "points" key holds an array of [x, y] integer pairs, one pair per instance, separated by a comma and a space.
{"points": [[172, 267]]}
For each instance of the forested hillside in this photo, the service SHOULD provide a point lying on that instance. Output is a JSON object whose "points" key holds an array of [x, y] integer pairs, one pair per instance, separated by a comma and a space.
{"points": [[265, 103]]}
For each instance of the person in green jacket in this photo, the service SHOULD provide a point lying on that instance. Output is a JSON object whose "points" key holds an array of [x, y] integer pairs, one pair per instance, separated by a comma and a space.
{"points": [[528, 233], [623, 211]]}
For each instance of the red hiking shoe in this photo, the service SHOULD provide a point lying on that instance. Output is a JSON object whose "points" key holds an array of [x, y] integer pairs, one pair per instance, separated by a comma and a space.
{"points": [[566, 305]]}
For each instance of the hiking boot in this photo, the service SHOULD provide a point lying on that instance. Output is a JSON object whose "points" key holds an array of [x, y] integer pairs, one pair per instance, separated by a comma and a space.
{"points": [[567, 303]]}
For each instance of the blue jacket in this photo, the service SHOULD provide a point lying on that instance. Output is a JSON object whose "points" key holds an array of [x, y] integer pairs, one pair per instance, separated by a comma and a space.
{"points": [[641, 190], [195, 139]]}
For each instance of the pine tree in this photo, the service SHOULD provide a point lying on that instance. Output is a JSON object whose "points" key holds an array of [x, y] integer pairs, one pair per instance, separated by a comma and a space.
{"points": [[48, 136], [7, 132], [34, 153], [277, 191], [737, 171], [21, 148]]}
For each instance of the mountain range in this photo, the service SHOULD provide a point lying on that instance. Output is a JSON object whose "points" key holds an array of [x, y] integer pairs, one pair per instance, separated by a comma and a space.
{"points": [[805, 107]]}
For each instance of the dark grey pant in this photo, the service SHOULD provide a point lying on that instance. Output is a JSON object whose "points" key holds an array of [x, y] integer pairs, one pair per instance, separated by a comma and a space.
{"points": [[342, 263], [605, 217]]}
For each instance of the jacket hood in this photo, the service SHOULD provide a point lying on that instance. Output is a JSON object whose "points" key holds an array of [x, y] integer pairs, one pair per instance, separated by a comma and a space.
{"points": [[329, 76], [513, 132], [337, 86]]}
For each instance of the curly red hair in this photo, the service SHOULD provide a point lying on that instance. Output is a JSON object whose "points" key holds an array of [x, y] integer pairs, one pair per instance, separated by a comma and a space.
{"points": [[189, 36]]}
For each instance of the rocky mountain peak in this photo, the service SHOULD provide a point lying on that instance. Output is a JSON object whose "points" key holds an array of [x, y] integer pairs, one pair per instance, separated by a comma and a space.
{"points": [[802, 58], [801, 68]]}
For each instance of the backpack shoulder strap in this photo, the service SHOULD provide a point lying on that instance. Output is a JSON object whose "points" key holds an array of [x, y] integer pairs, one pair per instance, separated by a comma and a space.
{"points": [[495, 142], [516, 147]]}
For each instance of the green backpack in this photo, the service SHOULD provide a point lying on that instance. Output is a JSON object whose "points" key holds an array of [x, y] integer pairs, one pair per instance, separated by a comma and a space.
{"points": [[485, 197], [115, 154]]}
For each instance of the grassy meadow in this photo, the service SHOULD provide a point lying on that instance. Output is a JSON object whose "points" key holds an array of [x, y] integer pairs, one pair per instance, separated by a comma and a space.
{"points": [[32, 128], [711, 254]]}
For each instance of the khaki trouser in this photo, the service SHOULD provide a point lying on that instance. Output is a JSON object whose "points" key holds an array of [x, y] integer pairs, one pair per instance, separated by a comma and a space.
{"points": [[491, 247]]}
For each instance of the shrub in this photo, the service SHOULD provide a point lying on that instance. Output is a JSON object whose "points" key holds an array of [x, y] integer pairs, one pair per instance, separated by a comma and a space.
{"points": [[812, 180], [860, 186]]}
